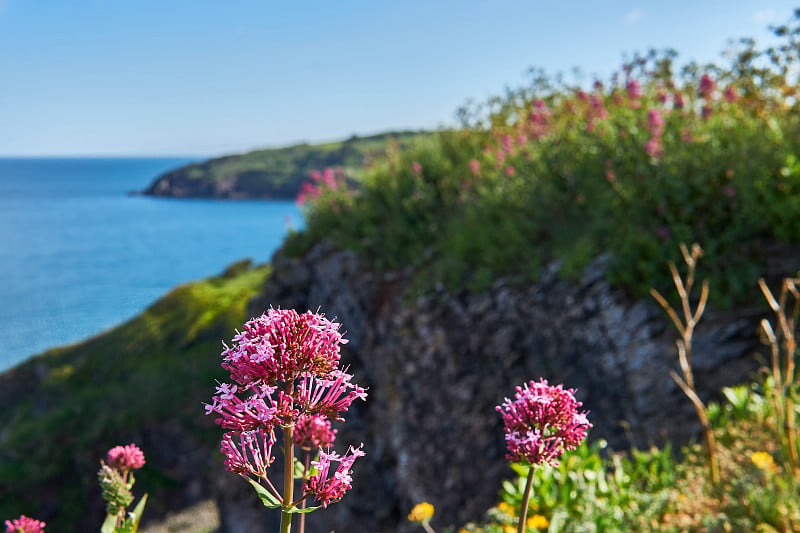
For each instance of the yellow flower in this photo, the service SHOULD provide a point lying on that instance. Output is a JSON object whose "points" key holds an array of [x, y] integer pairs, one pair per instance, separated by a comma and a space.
{"points": [[506, 508], [509, 529], [422, 512], [764, 461], [537, 521]]}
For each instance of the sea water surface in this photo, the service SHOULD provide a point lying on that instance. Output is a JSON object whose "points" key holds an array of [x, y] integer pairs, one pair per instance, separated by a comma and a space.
{"points": [[79, 255]]}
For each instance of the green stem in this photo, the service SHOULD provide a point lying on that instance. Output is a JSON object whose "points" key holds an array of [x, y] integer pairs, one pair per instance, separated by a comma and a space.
{"points": [[288, 478], [526, 496]]}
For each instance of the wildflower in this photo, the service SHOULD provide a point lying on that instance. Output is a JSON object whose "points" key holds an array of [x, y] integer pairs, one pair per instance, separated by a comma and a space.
{"points": [[764, 462], [634, 89], [542, 422], [24, 524], [508, 144], [655, 122], [731, 94], [416, 167], [510, 171], [252, 454], [313, 431], [125, 458], [677, 100], [475, 167], [422, 512], [327, 490], [537, 521], [707, 86], [505, 507], [654, 147], [707, 111]]}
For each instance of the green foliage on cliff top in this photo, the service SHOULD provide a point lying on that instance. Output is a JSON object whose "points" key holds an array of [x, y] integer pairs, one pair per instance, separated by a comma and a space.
{"points": [[632, 167], [64, 409], [278, 172]]}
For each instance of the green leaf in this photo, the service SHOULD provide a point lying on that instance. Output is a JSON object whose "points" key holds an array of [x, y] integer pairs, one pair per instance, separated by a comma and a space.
{"points": [[298, 510], [299, 468], [110, 524], [267, 498], [136, 515]]}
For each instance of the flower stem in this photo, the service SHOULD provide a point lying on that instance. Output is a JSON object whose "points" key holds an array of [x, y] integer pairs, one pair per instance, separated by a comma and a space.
{"points": [[306, 463], [526, 496], [288, 478]]}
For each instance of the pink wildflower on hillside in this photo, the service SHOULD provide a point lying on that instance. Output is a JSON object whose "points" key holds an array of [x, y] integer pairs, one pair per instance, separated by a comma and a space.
{"points": [[655, 122], [24, 524], [542, 422], [707, 86], [475, 167], [125, 458], [634, 89], [326, 489], [731, 94]]}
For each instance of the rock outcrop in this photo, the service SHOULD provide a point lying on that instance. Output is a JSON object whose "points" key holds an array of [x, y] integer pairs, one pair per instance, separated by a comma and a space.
{"points": [[437, 365]]}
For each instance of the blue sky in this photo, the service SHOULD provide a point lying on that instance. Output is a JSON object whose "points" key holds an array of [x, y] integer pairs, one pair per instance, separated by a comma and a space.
{"points": [[210, 77]]}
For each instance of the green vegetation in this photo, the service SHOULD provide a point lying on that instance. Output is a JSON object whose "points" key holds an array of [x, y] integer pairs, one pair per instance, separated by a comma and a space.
{"points": [[594, 489], [276, 172], [68, 406], [552, 171]]}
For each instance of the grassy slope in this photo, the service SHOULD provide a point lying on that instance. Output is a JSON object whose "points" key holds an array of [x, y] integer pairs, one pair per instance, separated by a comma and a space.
{"points": [[278, 172], [65, 408]]}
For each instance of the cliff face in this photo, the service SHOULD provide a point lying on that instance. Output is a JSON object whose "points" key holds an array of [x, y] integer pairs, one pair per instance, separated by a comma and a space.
{"points": [[437, 365]]}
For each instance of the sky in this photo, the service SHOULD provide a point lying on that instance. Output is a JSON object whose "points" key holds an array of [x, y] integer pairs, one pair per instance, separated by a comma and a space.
{"points": [[204, 78]]}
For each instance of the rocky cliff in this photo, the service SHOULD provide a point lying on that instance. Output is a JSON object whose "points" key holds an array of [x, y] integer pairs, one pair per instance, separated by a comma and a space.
{"points": [[437, 365]]}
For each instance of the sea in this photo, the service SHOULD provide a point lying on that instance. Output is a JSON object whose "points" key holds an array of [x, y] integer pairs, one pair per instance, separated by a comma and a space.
{"points": [[79, 254]]}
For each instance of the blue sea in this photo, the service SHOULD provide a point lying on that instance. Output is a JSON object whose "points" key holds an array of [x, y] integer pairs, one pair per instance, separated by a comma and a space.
{"points": [[79, 255]]}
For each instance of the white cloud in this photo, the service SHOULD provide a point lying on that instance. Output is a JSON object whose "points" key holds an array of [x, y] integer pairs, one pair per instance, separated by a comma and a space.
{"points": [[633, 17]]}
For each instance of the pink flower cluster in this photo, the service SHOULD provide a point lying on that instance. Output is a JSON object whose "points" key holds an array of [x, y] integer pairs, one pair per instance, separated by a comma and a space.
{"points": [[330, 488], [125, 458], [320, 181], [24, 524], [542, 422], [285, 369]]}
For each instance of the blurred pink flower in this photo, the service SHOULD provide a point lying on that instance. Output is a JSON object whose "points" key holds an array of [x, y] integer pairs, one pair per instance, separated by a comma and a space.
{"points": [[510, 171], [707, 86], [542, 422], [125, 458], [634, 89], [677, 100], [707, 111], [416, 167], [731, 94], [655, 122], [24, 524], [313, 432], [475, 167], [654, 147], [729, 191]]}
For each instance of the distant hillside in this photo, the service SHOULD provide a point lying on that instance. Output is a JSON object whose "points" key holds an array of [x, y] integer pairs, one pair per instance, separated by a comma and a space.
{"points": [[275, 172], [144, 381]]}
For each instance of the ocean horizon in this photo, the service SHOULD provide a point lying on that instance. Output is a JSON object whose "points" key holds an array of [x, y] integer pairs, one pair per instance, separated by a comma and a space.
{"points": [[80, 254]]}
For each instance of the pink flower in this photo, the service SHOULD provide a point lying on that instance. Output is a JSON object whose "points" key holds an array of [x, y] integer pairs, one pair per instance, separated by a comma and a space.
{"points": [[313, 432], [542, 422], [655, 122], [654, 147], [329, 395], [125, 458], [508, 144], [248, 452], [731, 94], [707, 86], [598, 107], [327, 490], [634, 89], [707, 111], [677, 100], [23, 524], [475, 167], [510, 171], [416, 167], [729, 191], [281, 345]]}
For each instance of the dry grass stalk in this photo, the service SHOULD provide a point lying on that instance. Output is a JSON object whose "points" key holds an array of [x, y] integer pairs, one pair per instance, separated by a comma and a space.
{"points": [[685, 327], [786, 312]]}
